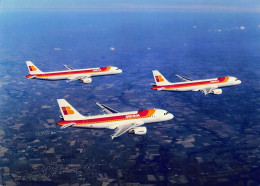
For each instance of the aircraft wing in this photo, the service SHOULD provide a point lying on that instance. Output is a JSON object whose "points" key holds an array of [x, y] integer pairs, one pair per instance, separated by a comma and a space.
{"points": [[107, 109], [183, 78], [68, 67], [74, 78], [208, 90], [122, 129]]}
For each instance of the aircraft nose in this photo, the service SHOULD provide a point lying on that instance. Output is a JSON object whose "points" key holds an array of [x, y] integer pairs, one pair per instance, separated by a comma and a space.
{"points": [[171, 116], [238, 81], [119, 71]]}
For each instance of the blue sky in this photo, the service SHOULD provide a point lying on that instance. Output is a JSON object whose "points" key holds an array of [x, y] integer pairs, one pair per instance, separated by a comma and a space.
{"points": [[128, 5]]}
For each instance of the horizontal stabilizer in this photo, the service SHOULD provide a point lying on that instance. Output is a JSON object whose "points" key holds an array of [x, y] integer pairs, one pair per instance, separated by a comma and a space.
{"points": [[32, 77], [68, 125], [160, 89]]}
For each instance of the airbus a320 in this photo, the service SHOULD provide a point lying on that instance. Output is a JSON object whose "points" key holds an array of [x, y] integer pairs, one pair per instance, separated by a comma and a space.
{"points": [[207, 86], [123, 122], [71, 74]]}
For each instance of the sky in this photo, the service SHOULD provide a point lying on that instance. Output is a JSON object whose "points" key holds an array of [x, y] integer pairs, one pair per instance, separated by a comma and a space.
{"points": [[124, 5]]}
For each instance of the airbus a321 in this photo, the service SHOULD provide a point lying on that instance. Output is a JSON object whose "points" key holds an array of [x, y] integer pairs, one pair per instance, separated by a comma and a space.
{"points": [[123, 122], [207, 86], [71, 74]]}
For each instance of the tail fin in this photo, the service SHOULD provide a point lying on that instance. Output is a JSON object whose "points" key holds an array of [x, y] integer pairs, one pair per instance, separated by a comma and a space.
{"points": [[32, 68], [159, 78], [68, 112]]}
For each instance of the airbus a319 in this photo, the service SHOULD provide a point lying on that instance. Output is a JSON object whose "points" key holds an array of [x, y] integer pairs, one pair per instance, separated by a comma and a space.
{"points": [[123, 122], [207, 86], [71, 74]]}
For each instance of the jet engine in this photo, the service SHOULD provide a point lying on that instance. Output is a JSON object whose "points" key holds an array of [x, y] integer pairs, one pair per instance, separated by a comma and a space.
{"points": [[217, 91], [86, 80], [138, 131]]}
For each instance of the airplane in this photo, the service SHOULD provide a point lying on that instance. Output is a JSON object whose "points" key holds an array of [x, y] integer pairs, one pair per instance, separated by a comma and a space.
{"points": [[207, 86], [71, 74], [123, 122]]}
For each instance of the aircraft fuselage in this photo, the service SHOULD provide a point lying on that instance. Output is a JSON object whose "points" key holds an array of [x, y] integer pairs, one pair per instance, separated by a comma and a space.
{"points": [[199, 84], [62, 75], [111, 121]]}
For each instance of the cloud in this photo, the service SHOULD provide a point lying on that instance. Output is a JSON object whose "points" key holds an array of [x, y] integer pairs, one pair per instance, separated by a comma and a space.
{"points": [[133, 5]]}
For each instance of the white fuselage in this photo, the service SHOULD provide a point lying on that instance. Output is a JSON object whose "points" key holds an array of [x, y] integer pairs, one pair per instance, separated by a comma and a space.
{"points": [[199, 84], [79, 73], [112, 121]]}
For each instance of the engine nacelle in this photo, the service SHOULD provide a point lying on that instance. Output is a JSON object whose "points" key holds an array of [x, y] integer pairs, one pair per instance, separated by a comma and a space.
{"points": [[138, 131], [86, 80], [217, 91]]}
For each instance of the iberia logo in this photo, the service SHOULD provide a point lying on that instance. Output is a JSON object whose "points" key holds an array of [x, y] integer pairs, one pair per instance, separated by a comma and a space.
{"points": [[67, 111], [159, 78], [32, 68]]}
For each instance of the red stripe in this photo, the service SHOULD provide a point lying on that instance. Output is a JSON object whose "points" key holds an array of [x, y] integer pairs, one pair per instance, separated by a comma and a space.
{"points": [[139, 114], [101, 69]]}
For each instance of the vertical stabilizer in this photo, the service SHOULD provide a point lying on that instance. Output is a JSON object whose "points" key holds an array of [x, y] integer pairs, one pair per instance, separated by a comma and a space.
{"points": [[32, 68], [159, 78], [68, 112]]}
